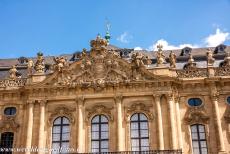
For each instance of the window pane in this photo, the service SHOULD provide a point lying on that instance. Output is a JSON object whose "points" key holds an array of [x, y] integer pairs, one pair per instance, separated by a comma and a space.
{"points": [[95, 127], [203, 144], [196, 151], [95, 144], [95, 150], [134, 133], [7, 139], [144, 125], [104, 135], [134, 117], [95, 119], [65, 120], [144, 148], [144, 142], [56, 137], [204, 151], [193, 129], [143, 117], [194, 136], [144, 133], [104, 150], [57, 121], [104, 127], [55, 145], [202, 136], [104, 119], [195, 144], [65, 129], [134, 125], [135, 148], [201, 128], [135, 142], [95, 135], [104, 144], [65, 136], [56, 129]]}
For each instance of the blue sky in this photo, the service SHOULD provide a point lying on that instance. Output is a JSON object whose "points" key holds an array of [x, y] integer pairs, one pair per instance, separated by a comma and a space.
{"points": [[65, 26]]}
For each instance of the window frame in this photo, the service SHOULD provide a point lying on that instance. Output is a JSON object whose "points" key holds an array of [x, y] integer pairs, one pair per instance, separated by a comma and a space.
{"points": [[99, 140], [10, 108], [139, 138], [199, 140], [228, 100], [194, 102], [10, 140], [60, 141]]}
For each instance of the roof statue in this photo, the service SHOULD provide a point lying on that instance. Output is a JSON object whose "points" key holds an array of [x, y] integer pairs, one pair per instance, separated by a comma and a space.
{"points": [[30, 65], [60, 63], [160, 55], [172, 59], [40, 64], [210, 59], [13, 73]]}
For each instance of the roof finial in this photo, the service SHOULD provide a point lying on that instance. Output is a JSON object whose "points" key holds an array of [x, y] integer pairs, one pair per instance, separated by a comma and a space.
{"points": [[107, 35]]}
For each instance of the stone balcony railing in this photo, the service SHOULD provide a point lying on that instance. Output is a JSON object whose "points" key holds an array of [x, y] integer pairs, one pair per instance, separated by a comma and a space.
{"points": [[20, 82], [192, 73], [141, 152]]}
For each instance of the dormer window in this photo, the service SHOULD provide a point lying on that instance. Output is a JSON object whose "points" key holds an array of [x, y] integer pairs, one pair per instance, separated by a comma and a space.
{"points": [[220, 49], [186, 51]]}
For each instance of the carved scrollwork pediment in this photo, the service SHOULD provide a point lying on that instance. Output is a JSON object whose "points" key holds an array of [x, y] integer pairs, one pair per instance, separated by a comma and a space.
{"points": [[138, 108], [196, 115], [61, 111], [8, 124], [98, 69], [98, 110]]}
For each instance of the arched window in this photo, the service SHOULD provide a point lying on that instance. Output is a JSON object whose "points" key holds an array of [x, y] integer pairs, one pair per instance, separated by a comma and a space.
{"points": [[199, 142], [60, 133], [139, 132], [99, 134], [7, 140]]}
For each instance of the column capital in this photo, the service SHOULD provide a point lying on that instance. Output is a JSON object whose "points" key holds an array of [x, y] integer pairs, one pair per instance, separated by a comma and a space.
{"points": [[30, 101], [157, 96], [80, 100], [214, 96], [42, 102], [118, 98]]}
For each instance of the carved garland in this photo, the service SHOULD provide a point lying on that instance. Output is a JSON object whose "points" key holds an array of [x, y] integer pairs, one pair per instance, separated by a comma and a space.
{"points": [[138, 108], [196, 115], [99, 109], [61, 111], [8, 124]]}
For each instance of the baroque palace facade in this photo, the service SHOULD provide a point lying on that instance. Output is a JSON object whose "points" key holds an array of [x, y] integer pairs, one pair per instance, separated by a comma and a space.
{"points": [[111, 100]]}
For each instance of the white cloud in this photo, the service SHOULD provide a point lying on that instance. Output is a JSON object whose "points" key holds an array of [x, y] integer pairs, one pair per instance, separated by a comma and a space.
{"points": [[167, 46], [138, 48], [125, 37], [218, 38]]}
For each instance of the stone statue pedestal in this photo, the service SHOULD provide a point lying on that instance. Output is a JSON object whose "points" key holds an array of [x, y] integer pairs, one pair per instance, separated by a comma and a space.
{"points": [[35, 78], [161, 70], [211, 71]]}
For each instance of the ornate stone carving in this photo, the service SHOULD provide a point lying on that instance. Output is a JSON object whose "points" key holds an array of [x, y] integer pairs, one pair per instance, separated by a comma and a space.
{"points": [[99, 109], [60, 63], [99, 69], [210, 59], [160, 55], [30, 66], [13, 73], [138, 108], [196, 115], [8, 124], [191, 71], [224, 70], [61, 111], [172, 59], [12, 83], [40, 64]]}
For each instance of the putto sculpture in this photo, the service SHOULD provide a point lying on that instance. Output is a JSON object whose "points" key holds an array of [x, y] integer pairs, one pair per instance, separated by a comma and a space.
{"points": [[30, 65], [60, 63], [210, 59], [40, 64], [13, 73], [172, 59], [160, 55]]}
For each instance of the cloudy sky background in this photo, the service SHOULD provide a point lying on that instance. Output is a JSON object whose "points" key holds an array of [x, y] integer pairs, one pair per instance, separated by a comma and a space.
{"points": [[64, 26]]}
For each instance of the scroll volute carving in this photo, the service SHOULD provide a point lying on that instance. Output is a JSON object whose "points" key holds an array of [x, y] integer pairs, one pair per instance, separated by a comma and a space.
{"points": [[138, 108], [196, 115], [61, 111], [8, 124], [97, 110]]}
